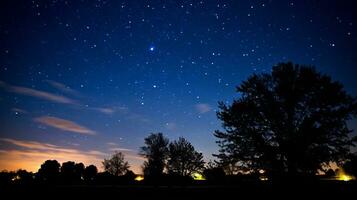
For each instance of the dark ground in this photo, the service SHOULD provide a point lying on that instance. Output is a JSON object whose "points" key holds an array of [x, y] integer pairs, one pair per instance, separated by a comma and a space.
{"points": [[330, 189]]}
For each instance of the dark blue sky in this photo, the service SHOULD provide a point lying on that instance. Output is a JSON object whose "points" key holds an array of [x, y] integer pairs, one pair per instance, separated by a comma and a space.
{"points": [[80, 79]]}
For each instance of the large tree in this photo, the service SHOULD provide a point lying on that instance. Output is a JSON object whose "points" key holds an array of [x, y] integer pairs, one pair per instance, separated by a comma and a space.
{"points": [[292, 120], [183, 158], [116, 165], [90, 172], [49, 171], [156, 153], [72, 172]]}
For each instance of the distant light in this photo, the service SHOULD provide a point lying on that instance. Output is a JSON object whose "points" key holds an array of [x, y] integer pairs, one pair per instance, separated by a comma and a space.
{"points": [[17, 177], [263, 178], [198, 177], [139, 178], [342, 176], [152, 48], [345, 178]]}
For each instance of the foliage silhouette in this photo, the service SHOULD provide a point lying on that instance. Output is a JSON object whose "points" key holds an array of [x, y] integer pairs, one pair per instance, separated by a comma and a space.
{"points": [[350, 166], [156, 152], [292, 121], [24, 177], [116, 165], [72, 172], [49, 171], [90, 172], [214, 173], [183, 158]]}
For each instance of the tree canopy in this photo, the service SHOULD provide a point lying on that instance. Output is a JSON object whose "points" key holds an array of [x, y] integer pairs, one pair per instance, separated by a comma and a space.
{"points": [[183, 158], [49, 171], [116, 165], [292, 120], [156, 152]]}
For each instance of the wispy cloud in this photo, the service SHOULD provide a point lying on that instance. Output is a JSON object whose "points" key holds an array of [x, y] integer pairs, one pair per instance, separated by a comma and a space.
{"points": [[30, 155], [120, 149], [64, 124], [62, 87], [105, 110], [203, 108], [36, 93]]}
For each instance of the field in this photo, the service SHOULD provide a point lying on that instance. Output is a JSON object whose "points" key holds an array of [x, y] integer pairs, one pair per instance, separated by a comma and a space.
{"points": [[198, 190]]}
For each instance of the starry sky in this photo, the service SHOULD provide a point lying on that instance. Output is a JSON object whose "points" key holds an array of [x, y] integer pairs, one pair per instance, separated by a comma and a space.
{"points": [[82, 79]]}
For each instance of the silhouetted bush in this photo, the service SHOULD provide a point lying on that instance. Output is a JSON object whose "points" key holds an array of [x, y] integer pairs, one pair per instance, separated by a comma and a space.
{"points": [[214, 175], [6, 177]]}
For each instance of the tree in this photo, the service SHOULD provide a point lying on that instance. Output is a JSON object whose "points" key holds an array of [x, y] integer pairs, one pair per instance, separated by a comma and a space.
{"points": [[156, 152], [290, 121], [79, 167], [72, 172], [116, 165], [350, 166], [183, 158], [68, 171], [49, 171], [90, 172]]}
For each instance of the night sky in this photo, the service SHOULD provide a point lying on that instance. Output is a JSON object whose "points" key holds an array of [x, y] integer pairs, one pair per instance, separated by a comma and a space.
{"points": [[81, 79]]}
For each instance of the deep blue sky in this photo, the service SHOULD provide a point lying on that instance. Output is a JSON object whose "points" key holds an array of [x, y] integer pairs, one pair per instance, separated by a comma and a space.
{"points": [[79, 79]]}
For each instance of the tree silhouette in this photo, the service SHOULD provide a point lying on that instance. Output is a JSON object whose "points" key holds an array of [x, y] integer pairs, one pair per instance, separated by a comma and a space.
{"points": [[68, 171], [350, 166], [156, 152], [90, 172], [72, 172], [290, 121], [116, 165], [23, 177], [183, 158], [79, 167], [49, 171]]}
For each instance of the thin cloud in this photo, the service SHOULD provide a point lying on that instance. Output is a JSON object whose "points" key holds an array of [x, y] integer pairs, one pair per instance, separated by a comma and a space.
{"points": [[120, 149], [36, 93], [111, 144], [105, 110], [64, 124], [62, 87], [203, 108]]}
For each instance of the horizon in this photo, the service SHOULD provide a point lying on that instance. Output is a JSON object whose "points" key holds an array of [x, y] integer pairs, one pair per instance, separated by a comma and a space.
{"points": [[81, 80]]}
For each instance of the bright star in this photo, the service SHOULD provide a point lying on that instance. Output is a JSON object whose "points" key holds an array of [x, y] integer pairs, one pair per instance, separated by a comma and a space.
{"points": [[152, 48]]}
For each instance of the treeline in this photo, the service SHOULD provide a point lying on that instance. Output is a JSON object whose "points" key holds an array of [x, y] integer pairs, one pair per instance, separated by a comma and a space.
{"points": [[168, 163], [175, 162], [292, 122]]}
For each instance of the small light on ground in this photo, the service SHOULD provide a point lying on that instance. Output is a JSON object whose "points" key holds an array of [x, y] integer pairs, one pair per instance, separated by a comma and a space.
{"points": [[139, 178], [198, 177]]}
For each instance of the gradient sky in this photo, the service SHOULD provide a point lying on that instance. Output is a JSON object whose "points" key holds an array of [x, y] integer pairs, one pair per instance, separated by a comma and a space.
{"points": [[81, 79]]}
